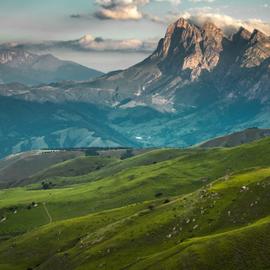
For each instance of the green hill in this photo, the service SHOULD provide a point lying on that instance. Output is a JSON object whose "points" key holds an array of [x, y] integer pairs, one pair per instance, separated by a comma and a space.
{"points": [[163, 209], [238, 138], [16, 168]]}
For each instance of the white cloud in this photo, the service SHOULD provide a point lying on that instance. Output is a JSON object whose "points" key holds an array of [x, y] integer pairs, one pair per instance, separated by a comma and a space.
{"points": [[120, 9], [91, 43], [174, 2], [226, 23], [126, 9], [88, 42]]}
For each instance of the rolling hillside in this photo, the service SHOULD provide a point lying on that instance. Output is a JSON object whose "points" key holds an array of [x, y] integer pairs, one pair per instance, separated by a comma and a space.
{"points": [[14, 169], [163, 209], [237, 138]]}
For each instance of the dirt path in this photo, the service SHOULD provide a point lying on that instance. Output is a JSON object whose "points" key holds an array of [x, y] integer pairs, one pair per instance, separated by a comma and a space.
{"points": [[47, 212]]}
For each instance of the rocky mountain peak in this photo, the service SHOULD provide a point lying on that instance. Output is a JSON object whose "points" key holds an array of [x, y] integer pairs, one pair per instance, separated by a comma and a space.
{"points": [[258, 36], [210, 27], [192, 55], [182, 23], [257, 50], [242, 35], [176, 34], [190, 49]]}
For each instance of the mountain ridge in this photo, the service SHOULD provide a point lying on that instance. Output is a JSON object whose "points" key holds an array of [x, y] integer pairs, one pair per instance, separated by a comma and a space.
{"points": [[183, 56], [237, 138], [22, 66], [197, 84]]}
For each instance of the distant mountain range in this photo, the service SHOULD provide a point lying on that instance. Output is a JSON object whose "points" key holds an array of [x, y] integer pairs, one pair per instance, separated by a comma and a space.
{"points": [[198, 84], [28, 167], [21, 66]]}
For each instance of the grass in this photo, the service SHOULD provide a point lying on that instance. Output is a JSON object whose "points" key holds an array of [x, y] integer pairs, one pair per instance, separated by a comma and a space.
{"points": [[72, 168], [236, 250], [164, 209], [16, 169]]}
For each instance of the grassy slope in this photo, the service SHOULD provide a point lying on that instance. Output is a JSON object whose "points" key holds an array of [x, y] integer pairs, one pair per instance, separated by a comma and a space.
{"points": [[237, 138], [72, 168], [14, 169], [215, 217], [239, 249], [151, 231]]}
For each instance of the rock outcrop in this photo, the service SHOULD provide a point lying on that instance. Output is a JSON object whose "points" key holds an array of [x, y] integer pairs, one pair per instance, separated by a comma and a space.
{"points": [[188, 47]]}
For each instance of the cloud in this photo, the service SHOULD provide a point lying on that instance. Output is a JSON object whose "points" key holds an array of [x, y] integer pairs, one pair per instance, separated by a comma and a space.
{"points": [[126, 9], [174, 2], [123, 10], [228, 24], [120, 9], [90, 43], [154, 18]]}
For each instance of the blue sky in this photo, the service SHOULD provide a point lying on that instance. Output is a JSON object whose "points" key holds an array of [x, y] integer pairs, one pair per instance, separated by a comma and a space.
{"points": [[120, 20]]}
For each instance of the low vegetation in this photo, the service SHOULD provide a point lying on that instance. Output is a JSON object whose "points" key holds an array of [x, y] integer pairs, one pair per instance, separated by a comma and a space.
{"points": [[164, 209]]}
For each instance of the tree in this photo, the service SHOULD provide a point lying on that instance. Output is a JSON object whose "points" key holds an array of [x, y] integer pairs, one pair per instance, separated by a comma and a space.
{"points": [[46, 185]]}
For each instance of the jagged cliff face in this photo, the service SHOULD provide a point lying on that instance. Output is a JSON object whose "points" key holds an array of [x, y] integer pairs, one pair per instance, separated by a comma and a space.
{"points": [[188, 50], [187, 47], [191, 62], [257, 50]]}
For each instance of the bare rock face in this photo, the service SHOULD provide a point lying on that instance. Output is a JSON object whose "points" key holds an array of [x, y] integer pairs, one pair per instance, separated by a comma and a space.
{"points": [[186, 47], [241, 36], [200, 58], [257, 51]]}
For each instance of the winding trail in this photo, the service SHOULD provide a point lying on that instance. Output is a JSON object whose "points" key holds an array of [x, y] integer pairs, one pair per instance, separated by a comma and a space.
{"points": [[47, 212]]}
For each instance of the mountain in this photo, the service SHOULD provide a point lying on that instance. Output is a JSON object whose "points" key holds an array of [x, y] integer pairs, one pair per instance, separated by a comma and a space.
{"points": [[197, 85], [167, 209], [28, 125], [194, 65], [21, 66], [238, 138]]}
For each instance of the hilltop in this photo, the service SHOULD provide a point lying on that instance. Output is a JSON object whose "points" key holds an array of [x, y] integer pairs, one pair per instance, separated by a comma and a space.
{"points": [[238, 138]]}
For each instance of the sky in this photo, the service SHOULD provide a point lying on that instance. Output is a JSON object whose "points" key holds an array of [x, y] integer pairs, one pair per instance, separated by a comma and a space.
{"points": [[114, 34]]}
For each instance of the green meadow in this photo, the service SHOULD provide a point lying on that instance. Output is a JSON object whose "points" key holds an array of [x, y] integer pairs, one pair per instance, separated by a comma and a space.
{"points": [[162, 209]]}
